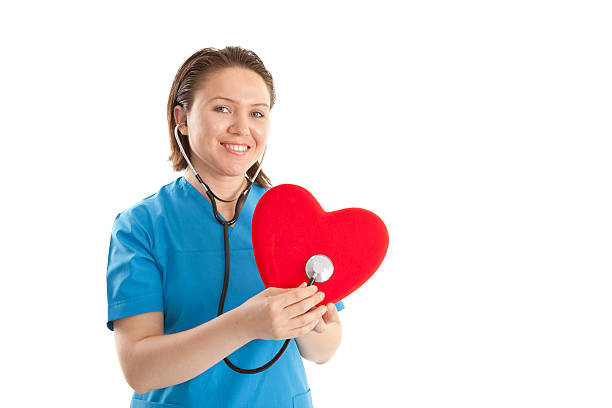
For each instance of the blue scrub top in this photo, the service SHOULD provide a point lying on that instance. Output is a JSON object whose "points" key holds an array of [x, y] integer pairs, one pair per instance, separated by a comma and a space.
{"points": [[166, 254]]}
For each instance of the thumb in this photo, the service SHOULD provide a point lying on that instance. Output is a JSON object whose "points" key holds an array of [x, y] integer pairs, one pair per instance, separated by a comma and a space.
{"points": [[332, 314]]}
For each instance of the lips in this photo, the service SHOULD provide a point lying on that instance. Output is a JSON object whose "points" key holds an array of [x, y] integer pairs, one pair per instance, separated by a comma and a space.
{"points": [[236, 148]]}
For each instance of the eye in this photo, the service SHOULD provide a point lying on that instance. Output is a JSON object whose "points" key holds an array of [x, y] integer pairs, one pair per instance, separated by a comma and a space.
{"points": [[222, 107], [261, 114]]}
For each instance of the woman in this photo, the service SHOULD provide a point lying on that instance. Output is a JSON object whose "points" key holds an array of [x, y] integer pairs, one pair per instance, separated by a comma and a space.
{"points": [[166, 260]]}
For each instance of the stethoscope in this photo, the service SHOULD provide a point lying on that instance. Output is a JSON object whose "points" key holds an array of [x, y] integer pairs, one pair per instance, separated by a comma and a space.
{"points": [[319, 268]]}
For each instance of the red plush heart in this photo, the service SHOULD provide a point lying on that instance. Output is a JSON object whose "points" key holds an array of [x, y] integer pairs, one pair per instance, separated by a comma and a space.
{"points": [[289, 226]]}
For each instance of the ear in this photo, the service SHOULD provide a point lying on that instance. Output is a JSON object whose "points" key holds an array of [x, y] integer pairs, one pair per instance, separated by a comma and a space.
{"points": [[179, 117]]}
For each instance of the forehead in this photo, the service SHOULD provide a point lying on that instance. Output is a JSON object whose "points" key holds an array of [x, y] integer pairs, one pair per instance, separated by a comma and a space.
{"points": [[240, 84]]}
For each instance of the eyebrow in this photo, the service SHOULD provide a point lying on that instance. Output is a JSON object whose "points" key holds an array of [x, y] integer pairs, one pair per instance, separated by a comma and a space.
{"points": [[231, 100]]}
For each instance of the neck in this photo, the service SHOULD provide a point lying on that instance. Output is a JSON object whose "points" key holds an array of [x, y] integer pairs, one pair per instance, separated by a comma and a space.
{"points": [[227, 188]]}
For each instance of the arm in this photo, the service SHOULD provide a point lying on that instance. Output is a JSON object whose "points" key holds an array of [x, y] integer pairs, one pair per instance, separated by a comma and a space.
{"points": [[320, 347], [150, 359]]}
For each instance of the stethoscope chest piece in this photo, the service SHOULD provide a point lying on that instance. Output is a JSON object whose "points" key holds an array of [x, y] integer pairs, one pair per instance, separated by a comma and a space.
{"points": [[321, 266]]}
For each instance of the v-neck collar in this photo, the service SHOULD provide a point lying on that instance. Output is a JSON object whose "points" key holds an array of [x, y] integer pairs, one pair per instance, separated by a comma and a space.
{"points": [[209, 208]]}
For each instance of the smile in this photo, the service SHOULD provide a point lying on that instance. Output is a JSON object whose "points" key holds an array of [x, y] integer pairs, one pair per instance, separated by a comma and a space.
{"points": [[236, 149]]}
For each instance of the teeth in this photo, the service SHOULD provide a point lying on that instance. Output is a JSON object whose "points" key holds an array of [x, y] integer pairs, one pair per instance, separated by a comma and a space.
{"points": [[237, 148]]}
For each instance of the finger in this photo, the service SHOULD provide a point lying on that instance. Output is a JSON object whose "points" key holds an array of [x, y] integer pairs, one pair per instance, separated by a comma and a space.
{"points": [[272, 291], [332, 315], [305, 305], [317, 326], [297, 295], [304, 319], [320, 327], [302, 330], [326, 315]]}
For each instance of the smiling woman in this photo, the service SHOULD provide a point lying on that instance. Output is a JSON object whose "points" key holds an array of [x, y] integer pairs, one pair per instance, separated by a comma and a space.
{"points": [[195, 74], [179, 320], [227, 129]]}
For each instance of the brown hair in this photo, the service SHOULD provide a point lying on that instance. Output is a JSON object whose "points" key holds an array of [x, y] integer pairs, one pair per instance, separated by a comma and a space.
{"points": [[190, 77]]}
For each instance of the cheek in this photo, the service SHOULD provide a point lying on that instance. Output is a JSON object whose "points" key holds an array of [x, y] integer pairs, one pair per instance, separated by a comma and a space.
{"points": [[206, 133], [261, 137], [211, 129]]}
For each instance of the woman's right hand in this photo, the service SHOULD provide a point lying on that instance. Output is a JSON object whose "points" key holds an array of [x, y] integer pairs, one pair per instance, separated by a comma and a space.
{"points": [[280, 314]]}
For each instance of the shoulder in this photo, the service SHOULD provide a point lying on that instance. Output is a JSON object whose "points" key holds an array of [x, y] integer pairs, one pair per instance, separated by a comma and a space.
{"points": [[260, 190], [255, 195]]}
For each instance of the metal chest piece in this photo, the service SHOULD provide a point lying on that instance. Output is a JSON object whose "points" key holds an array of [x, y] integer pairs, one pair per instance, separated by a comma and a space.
{"points": [[320, 265]]}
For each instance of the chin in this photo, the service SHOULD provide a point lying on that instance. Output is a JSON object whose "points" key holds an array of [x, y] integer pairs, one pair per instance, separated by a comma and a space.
{"points": [[236, 172]]}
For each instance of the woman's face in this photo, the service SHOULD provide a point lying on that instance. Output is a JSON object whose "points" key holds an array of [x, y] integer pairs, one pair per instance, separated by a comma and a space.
{"points": [[229, 122]]}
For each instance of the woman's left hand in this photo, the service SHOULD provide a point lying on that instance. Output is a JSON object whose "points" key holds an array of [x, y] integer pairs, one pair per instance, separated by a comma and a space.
{"points": [[331, 316]]}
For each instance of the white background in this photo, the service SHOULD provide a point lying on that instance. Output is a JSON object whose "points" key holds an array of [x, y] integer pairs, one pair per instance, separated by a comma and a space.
{"points": [[479, 131]]}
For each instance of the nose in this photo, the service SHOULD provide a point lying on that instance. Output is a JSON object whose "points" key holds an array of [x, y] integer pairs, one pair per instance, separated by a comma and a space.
{"points": [[240, 125]]}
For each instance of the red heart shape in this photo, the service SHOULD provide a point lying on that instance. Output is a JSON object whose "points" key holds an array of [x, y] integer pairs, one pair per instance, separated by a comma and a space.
{"points": [[289, 226]]}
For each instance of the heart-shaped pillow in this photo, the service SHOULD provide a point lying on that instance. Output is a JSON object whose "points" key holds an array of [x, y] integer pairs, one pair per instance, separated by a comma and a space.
{"points": [[289, 226]]}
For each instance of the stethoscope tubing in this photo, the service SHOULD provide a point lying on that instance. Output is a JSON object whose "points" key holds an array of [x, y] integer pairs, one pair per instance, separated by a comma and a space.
{"points": [[226, 225]]}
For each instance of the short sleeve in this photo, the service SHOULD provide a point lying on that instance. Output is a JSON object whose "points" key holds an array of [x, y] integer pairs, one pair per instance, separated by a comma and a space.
{"points": [[339, 305], [133, 279]]}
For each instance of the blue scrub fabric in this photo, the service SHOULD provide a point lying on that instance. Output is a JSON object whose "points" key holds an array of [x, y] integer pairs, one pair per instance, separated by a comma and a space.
{"points": [[166, 254]]}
